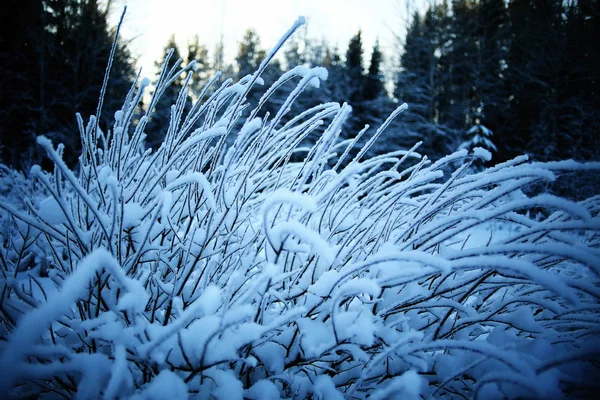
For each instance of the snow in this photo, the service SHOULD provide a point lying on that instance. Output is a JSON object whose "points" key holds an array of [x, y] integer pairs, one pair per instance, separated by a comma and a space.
{"points": [[52, 212], [482, 153], [213, 270], [227, 386], [320, 246], [195, 177], [285, 196], [34, 323], [133, 213], [120, 374], [262, 390], [210, 300], [325, 389], [408, 386], [326, 282], [356, 327], [166, 385], [170, 176]]}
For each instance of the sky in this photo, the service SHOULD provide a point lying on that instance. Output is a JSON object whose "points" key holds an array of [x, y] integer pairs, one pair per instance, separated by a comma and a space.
{"points": [[150, 23]]}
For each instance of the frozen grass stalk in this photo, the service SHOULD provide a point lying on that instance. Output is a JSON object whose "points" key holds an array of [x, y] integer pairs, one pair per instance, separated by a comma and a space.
{"points": [[218, 267]]}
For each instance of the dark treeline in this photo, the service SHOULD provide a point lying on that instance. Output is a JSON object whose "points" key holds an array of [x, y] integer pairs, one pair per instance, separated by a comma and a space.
{"points": [[513, 77], [53, 55], [527, 71]]}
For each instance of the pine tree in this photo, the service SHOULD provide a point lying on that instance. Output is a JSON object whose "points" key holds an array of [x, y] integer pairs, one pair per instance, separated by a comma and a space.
{"points": [[462, 54], [376, 105], [292, 53], [319, 53], [64, 49], [354, 71], [423, 83], [374, 84], [353, 84], [581, 91], [489, 64], [82, 43], [199, 53], [415, 81], [478, 136], [537, 66], [158, 125], [22, 66], [249, 55], [527, 71], [335, 88]]}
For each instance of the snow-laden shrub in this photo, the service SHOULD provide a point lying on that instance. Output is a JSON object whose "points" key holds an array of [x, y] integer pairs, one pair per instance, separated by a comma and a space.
{"points": [[20, 246], [227, 271]]}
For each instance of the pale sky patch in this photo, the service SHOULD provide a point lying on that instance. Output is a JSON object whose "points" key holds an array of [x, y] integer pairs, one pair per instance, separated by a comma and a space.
{"points": [[151, 22]]}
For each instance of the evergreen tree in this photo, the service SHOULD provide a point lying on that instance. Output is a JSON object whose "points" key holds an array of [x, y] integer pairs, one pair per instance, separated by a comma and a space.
{"points": [[489, 65], [199, 53], [478, 136], [354, 71], [581, 91], [423, 83], [22, 66], [318, 53], [80, 43], [63, 46], [335, 88], [218, 59], [526, 71], [158, 125], [476, 56], [460, 111], [536, 69], [353, 84], [374, 84], [250, 54], [376, 104], [415, 81], [292, 53], [249, 57]]}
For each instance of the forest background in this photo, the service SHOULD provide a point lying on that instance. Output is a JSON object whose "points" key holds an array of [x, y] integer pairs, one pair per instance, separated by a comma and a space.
{"points": [[515, 77]]}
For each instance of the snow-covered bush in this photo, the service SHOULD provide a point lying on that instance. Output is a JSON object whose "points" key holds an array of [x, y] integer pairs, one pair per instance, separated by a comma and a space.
{"points": [[21, 248], [230, 272]]}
